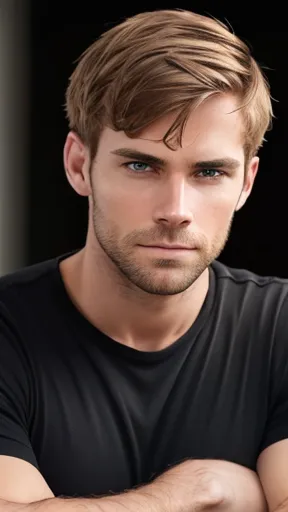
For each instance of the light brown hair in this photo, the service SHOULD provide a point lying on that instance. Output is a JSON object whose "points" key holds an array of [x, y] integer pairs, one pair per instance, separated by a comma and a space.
{"points": [[161, 62]]}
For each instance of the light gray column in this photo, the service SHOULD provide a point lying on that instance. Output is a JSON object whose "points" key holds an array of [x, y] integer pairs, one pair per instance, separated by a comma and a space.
{"points": [[14, 132]]}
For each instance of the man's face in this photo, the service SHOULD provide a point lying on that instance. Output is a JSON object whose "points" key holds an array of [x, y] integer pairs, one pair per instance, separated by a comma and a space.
{"points": [[185, 197]]}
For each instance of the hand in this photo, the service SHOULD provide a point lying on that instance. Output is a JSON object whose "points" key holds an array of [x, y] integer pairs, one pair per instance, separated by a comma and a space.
{"points": [[195, 485], [223, 485]]}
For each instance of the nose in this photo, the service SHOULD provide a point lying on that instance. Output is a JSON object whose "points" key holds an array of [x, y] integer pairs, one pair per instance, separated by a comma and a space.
{"points": [[174, 208]]}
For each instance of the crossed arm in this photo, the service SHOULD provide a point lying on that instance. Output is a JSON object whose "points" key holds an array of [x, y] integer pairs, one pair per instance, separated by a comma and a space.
{"points": [[194, 485]]}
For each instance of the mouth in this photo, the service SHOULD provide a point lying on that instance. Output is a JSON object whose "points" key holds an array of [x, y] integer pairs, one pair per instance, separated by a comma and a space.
{"points": [[172, 247]]}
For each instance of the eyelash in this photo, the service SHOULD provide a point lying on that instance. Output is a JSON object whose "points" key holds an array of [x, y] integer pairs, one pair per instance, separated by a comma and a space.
{"points": [[208, 178]]}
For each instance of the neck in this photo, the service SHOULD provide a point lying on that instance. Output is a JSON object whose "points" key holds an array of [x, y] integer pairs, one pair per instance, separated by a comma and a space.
{"points": [[125, 313]]}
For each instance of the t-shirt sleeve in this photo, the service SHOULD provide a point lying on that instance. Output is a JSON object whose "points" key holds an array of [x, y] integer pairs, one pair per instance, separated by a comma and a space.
{"points": [[15, 395], [277, 419]]}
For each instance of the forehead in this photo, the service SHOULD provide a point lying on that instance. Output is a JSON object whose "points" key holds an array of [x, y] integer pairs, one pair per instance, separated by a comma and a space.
{"points": [[213, 128]]}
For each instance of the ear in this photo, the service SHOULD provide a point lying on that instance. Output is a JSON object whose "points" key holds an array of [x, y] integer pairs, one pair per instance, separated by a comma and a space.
{"points": [[76, 162], [252, 170]]}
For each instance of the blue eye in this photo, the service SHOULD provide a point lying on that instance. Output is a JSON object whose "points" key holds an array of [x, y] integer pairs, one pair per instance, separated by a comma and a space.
{"points": [[137, 167]]}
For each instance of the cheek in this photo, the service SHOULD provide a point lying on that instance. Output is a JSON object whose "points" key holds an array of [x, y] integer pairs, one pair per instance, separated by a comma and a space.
{"points": [[122, 207], [215, 213]]}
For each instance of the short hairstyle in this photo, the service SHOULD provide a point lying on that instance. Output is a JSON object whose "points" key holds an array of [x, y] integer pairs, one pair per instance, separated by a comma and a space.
{"points": [[162, 62]]}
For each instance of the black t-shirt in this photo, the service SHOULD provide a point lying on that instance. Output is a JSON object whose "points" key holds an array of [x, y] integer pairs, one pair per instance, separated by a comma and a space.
{"points": [[96, 416]]}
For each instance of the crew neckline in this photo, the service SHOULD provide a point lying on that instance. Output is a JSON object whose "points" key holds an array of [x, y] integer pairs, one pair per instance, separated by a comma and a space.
{"points": [[91, 332]]}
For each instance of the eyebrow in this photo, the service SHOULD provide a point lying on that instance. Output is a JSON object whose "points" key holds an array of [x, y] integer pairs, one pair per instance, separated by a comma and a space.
{"points": [[133, 154]]}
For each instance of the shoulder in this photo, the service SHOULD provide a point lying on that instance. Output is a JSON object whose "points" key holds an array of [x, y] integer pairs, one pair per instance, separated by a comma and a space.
{"points": [[252, 305], [245, 285], [24, 280], [27, 291]]}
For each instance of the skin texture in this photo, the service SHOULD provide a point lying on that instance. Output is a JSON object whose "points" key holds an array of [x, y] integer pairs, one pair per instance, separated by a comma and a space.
{"points": [[132, 205]]}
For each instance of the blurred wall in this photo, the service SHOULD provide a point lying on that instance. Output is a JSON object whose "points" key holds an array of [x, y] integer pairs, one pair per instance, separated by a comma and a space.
{"points": [[14, 103]]}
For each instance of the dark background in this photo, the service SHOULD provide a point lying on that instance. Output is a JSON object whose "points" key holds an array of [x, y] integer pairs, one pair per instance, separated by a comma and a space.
{"points": [[60, 32]]}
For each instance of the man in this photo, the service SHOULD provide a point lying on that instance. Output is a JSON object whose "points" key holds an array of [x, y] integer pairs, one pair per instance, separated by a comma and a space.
{"points": [[139, 373]]}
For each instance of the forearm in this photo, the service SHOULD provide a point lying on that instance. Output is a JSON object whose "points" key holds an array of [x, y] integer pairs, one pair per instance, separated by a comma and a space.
{"points": [[134, 501], [171, 492], [147, 499], [130, 501], [217, 486]]}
